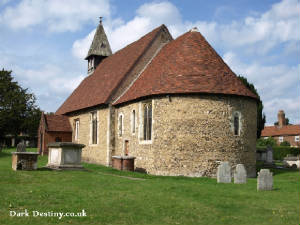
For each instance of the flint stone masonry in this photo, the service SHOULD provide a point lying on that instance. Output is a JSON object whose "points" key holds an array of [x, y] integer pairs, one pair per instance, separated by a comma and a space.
{"points": [[240, 174], [92, 153], [21, 147], [64, 155], [191, 134], [24, 160], [264, 180], [224, 173]]}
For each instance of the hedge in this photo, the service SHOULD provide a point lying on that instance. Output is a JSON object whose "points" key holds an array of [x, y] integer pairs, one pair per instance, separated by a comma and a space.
{"points": [[279, 152]]}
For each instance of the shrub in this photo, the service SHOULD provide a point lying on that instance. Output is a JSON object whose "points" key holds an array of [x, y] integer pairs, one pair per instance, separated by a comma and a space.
{"points": [[285, 143], [279, 152], [266, 142]]}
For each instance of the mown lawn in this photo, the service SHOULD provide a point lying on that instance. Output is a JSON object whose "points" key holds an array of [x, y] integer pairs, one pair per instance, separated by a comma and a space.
{"points": [[108, 198]]}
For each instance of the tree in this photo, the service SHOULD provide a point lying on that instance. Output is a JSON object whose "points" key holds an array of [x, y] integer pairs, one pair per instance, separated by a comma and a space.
{"points": [[266, 142], [261, 117], [18, 111]]}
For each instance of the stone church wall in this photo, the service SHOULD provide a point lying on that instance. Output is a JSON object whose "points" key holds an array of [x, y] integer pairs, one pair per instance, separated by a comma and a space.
{"points": [[92, 153], [190, 135]]}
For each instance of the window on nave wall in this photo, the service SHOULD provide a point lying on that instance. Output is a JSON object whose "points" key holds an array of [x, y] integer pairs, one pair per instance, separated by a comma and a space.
{"points": [[147, 114], [94, 127], [120, 125], [236, 123]]}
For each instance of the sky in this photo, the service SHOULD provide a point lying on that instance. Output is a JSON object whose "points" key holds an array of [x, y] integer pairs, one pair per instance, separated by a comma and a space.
{"points": [[44, 42]]}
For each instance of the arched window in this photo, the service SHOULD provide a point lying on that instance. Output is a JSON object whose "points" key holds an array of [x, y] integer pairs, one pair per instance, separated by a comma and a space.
{"points": [[147, 121]]}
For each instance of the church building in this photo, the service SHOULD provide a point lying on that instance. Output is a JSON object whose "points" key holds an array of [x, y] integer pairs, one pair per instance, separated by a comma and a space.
{"points": [[173, 104]]}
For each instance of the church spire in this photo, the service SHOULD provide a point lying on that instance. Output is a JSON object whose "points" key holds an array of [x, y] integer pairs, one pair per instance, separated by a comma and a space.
{"points": [[99, 49]]}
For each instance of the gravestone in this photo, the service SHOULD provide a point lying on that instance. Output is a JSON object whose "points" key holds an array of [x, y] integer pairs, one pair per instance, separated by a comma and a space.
{"points": [[269, 157], [264, 180], [240, 174], [224, 173], [21, 147]]}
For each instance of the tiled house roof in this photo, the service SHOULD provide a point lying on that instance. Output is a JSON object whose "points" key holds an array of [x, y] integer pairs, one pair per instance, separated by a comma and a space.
{"points": [[57, 123], [97, 88], [187, 64], [272, 131]]}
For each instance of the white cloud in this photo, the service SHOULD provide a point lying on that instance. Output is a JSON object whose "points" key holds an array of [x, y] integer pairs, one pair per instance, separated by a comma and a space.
{"points": [[289, 105], [279, 77], [50, 83], [53, 79], [160, 12], [277, 85], [260, 34], [279, 24], [256, 34], [4, 2], [80, 47], [148, 16], [55, 15]]}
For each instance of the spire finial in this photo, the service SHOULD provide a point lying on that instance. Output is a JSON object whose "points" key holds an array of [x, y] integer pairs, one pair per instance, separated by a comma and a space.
{"points": [[101, 19]]}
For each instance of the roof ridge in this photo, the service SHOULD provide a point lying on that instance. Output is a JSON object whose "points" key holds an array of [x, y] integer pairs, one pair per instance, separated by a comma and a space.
{"points": [[129, 86], [159, 29]]}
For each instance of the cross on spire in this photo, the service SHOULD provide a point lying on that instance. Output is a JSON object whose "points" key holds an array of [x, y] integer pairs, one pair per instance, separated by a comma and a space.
{"points": [[100, 19]]}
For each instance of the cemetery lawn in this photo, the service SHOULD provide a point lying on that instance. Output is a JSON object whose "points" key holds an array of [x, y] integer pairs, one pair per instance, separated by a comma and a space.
{"points": [[109, 197]]}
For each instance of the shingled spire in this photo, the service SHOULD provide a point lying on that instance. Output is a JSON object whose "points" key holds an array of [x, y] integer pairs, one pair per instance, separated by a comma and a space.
{"points": [[99, 49]]}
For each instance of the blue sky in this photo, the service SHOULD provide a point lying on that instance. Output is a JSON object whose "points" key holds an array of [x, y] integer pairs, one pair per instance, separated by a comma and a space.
{"points": [[44, 41]]}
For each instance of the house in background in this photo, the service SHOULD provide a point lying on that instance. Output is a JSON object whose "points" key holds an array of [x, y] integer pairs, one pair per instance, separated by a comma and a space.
{"points": [[53, 128], [173, 104], [283, 132]]}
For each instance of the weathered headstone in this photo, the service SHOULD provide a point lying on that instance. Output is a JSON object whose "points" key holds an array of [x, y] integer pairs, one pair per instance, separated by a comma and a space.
{"points": [[264, 180], [21, 147], [240, 174], [224, 173], [269, 158]]}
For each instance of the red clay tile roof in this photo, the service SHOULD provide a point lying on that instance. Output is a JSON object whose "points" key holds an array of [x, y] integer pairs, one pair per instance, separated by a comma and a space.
{"points": [[187, 64], [58, 123], [97, 88], [271, 131]]}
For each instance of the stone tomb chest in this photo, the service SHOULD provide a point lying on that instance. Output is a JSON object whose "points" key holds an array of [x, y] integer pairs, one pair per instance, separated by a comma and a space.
{"points": [[24, 160], [123, 162], [64, 155]]}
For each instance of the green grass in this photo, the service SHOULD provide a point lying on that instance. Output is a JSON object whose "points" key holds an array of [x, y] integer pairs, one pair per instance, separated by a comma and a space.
{"points": [[108, 198]]}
